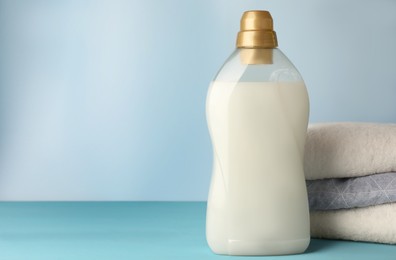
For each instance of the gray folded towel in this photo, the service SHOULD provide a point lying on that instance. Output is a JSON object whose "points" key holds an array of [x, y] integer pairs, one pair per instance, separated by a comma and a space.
{"points": [[344, 193]]}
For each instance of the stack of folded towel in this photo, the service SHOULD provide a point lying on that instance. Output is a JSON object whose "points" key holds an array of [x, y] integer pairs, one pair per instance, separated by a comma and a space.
{"points": [[350, 170]]}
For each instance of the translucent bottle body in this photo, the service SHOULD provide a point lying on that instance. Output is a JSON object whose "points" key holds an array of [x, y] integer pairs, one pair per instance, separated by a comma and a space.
{"points": [[257, 112]]}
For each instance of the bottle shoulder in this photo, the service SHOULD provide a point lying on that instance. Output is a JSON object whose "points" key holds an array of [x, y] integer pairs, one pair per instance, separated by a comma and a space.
{"points": [[257, 65]]}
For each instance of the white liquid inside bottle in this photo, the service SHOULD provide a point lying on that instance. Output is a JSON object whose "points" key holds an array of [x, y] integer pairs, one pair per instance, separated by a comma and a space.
{"points": [[258, 197]]}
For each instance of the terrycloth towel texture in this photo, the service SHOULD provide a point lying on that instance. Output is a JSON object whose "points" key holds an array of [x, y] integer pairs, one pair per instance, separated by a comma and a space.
{"points": [[356, 192], [370, 224], [339, 150]]}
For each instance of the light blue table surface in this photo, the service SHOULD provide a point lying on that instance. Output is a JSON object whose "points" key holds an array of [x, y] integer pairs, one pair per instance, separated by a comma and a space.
{"points": [[133, 230]]}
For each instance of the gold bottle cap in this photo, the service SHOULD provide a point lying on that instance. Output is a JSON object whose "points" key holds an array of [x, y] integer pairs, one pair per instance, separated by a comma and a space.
{"points": [[257, 31]]}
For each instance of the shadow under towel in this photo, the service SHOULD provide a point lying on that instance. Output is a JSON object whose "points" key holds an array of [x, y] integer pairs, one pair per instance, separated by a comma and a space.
{"points": [[369, 224]]}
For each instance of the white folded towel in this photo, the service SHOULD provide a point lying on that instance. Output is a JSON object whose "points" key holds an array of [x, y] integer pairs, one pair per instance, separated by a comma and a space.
{"points": [[370, 224], [339, 150]]}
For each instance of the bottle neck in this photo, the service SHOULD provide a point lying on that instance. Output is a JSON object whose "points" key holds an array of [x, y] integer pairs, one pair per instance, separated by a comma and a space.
{"points": [[254, 56]]}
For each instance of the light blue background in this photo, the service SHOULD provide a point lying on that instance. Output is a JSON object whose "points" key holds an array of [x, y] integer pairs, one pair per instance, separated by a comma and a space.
{"points": [[104, 100]]}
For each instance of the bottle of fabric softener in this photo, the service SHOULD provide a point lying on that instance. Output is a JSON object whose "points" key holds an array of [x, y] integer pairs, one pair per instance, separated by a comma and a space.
{"points": [[257, 112]]}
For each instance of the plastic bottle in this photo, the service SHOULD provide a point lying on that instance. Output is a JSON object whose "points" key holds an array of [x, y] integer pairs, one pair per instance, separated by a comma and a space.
{"points": [[257, 112]]}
